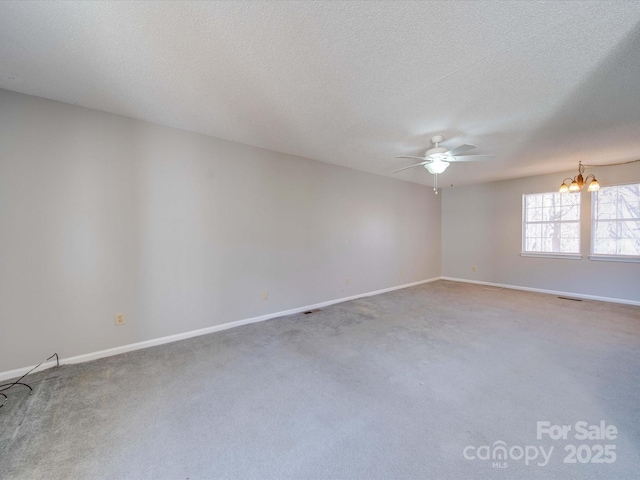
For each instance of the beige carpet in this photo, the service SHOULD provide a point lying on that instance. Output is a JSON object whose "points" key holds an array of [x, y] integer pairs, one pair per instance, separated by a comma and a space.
{"points": [[396, 386]]}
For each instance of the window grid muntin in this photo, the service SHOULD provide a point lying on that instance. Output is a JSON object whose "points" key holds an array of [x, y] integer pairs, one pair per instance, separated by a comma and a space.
{"points": [[550, 212], [612, 223]]}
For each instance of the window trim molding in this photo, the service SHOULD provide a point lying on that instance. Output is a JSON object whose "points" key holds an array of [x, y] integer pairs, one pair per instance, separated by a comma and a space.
{"points": [[615, 258], [563, 256]]}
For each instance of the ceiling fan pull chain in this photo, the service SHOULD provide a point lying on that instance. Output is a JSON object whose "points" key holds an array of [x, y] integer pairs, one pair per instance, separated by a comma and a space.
{"points": [[435, 183]]}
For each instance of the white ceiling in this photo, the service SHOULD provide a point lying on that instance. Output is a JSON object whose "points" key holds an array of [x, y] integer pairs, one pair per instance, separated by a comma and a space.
{"points": [[541, 84]]}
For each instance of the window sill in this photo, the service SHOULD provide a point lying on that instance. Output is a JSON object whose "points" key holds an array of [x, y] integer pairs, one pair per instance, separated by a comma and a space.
{"points": [[614, 258], [565, 256]]}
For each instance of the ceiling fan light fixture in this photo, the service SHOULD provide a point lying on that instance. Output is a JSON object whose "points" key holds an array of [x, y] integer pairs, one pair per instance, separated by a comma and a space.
{"points": [[437, 159], [437, 166]]}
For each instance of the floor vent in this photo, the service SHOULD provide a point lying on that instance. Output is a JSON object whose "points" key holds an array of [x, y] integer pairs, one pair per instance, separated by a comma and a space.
{"points": [[311, 311], [572, 299]]}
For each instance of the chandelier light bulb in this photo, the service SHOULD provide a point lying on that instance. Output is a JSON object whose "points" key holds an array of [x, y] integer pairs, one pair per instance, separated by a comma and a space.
{"points": [[594, 186]]}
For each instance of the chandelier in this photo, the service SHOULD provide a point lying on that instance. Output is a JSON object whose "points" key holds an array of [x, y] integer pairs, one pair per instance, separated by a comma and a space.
{"points": [[578, 181]]}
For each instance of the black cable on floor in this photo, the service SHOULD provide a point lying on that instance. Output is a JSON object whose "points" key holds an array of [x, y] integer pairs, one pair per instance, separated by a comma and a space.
{"points": [[18, 382]]}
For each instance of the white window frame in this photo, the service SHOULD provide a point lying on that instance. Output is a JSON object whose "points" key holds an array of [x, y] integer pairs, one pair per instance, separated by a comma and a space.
{"points": [[560, 255], [608, 257]]}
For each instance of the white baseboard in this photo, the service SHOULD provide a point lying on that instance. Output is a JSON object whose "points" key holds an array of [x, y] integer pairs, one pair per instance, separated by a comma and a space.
{"points": [[550, 292], [86, 357]]}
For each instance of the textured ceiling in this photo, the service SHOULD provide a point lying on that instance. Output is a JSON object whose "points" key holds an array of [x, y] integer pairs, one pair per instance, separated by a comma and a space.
{"points": [[540, 84]]}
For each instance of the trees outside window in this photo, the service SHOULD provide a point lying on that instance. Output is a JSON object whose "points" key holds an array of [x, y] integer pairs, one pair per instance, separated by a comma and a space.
{"points": [[551, 223], [616, 221]]}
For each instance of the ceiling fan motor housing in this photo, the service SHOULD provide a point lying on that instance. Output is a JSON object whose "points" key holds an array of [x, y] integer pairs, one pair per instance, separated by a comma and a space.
{"points": [[437, 153]]}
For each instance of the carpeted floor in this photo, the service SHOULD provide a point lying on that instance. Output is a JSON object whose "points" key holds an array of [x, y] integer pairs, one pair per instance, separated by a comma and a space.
{"points": [[396, 386]]}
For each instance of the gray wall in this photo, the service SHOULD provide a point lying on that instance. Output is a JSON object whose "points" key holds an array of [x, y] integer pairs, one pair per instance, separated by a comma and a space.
{"points": [[102, 214], [482, 227]]}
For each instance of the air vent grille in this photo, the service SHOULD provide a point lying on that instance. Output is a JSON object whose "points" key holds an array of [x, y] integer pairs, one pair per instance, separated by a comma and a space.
{"points": [[572, 299]]}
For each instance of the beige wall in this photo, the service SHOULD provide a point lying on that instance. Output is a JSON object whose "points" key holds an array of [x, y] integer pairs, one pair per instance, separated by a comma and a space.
{"points": [[102, 214]]}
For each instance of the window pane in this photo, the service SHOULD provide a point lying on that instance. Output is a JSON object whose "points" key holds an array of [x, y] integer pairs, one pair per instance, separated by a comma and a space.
{"points": [[570, 230], [604, 246], [607, 194], [534, 201], [570, 245], [629, 228], [629, 191], [570, 213], [533, 245], [616, 220], [628, 247], [606, 211], [534, 231], [628, 209], [605, 230], [534, 215], [547, 199], [550, 230], [552, 223], [570, 199]]}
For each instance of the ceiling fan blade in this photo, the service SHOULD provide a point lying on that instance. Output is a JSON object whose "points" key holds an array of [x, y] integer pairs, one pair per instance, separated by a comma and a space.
{"points": [[472, 158], [415, 158], [411, 166], [462, 148]]}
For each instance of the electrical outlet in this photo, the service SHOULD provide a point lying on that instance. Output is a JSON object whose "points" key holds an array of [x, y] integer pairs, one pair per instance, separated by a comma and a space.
{"points": [[265, 295], [473, 269], [119, 318]]}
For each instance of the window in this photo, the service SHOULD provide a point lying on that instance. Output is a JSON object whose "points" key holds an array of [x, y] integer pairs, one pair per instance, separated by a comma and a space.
{"points": [[551, 223], [616, 221]]}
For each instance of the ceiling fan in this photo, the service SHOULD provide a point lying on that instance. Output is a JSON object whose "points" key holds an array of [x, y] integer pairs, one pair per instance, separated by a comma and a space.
{"points": [[437, 158]]}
